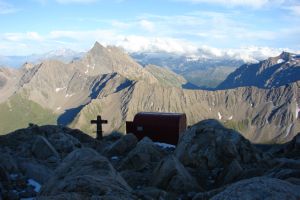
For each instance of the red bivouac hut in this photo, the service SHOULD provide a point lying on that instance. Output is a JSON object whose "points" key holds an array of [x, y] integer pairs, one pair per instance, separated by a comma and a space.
{"points": [[160, 127]]}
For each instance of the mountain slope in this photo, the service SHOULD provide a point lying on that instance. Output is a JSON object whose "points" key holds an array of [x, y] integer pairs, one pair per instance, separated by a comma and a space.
{"points": [[273, 72], [16, 112], [8, 82], [108, 82], [166, 76], [266, 116]]}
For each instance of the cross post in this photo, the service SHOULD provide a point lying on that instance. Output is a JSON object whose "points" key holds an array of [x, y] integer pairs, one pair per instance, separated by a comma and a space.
{"points": [[99, 123]]}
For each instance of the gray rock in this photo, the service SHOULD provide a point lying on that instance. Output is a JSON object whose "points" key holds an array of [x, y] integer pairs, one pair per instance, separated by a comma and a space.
{"points": [[122, 146], [136, 179], [209, 146], [1, 191], [64, 196], [144, 155], [285, 168], [150, 193], [43, 150], [87, 173], [260, 188], [232, 171], [63, 143], [171, 175], [4, 176], [295, 181], [36, 171], [8, 163], [208, 195]]}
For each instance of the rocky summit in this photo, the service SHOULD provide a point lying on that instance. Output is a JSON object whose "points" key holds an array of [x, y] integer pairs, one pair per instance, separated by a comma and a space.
{"points": [[209, 162]]}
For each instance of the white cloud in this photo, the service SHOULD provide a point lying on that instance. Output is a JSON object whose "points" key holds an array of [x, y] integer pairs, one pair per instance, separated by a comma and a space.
{"points": [[76, 1], [16, 37], [294, 9], [30, 42], [147, 25], [135, 43], [120, 25], [233, 3], [7, 8]]}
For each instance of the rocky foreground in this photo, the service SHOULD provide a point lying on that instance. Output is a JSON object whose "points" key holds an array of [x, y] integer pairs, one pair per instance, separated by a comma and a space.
{"points": [[210, 162]]}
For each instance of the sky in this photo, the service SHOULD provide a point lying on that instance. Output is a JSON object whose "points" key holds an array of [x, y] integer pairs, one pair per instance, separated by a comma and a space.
{"points": [[182, 26]]}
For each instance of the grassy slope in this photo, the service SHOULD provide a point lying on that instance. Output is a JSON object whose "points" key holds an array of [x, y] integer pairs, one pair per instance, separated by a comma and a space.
{"points": [[166, 76], [17, 112], [209, 78], [239, 126]]}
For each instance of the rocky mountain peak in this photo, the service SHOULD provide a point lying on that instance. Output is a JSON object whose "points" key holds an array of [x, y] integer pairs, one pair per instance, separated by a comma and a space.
{"points": [[285, 56], [27, 66], [97, 48]]}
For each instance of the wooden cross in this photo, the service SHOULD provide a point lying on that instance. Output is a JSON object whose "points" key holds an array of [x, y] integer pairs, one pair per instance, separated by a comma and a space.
{"points": [[99, 123]]}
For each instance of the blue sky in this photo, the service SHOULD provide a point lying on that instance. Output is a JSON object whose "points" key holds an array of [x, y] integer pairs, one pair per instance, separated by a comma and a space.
{"points": [[38, 26]]}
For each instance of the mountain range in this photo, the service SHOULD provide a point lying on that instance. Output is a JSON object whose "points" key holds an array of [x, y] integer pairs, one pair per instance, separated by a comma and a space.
{"points": [[273, 72], [65, 55], [205, 67], [109, 82]]}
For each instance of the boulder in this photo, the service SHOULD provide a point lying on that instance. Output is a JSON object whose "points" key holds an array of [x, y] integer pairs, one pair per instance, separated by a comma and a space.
{"points": [[43, 150], [4, 176], [144, 156], [36, 171], [171, 175], [88, 174], [285, 168], [260, 188], [8, 163], [63, 143], [136, 179], [209, 146], [295, 181], [207, 195], [232, 171], [150, 193], [64, 196], [122, 146]]}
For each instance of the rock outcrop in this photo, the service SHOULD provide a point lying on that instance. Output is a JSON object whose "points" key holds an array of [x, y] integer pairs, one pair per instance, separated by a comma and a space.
{"points": [[260, 188], [171, 175], [210, 162], [86, 173], [219, 153]]}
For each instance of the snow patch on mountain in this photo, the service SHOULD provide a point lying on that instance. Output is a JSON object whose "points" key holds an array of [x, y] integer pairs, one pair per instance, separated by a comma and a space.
{"points": [[59, 89], [280, 61], [219, 115], [297, 111]]}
